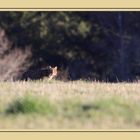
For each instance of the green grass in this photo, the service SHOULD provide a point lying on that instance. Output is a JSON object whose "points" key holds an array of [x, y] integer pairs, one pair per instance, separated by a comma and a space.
{"points": [[113, 108], [30, 104], [81, 105]]}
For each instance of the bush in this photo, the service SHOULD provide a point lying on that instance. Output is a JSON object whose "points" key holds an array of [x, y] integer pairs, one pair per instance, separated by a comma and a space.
{"points": [[30, 104], [13, 61]]}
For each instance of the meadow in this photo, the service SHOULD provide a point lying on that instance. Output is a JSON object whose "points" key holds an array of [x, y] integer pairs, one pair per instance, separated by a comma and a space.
{"points": [[61, 105]]}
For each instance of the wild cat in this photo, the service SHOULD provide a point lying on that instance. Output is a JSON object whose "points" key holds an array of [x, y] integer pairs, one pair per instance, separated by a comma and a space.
{"points": [[54, 72], [49, 72]]}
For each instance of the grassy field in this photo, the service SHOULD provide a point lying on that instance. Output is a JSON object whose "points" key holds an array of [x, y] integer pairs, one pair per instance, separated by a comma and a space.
{"points": [[69, 105]]}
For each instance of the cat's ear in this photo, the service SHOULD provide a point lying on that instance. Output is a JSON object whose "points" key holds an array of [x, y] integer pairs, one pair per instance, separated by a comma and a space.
{"points": [[50, 67], [55, 67]]}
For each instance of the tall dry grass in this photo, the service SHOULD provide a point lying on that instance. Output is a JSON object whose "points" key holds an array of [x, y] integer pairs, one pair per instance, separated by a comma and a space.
{"points": [[79, 104]]}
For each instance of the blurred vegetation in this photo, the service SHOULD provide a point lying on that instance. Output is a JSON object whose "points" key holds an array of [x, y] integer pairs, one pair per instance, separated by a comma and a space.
{"points": [[104, 45], [30, 104], [74, 104], [113, 112]]}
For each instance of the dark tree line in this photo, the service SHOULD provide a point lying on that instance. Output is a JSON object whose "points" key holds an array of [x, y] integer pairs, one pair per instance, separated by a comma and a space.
{"points": [[91, 45]]}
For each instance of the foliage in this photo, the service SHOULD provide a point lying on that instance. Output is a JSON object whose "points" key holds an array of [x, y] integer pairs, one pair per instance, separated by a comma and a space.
{"points": [[103, 39], [30, 104], [13, 62]]}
